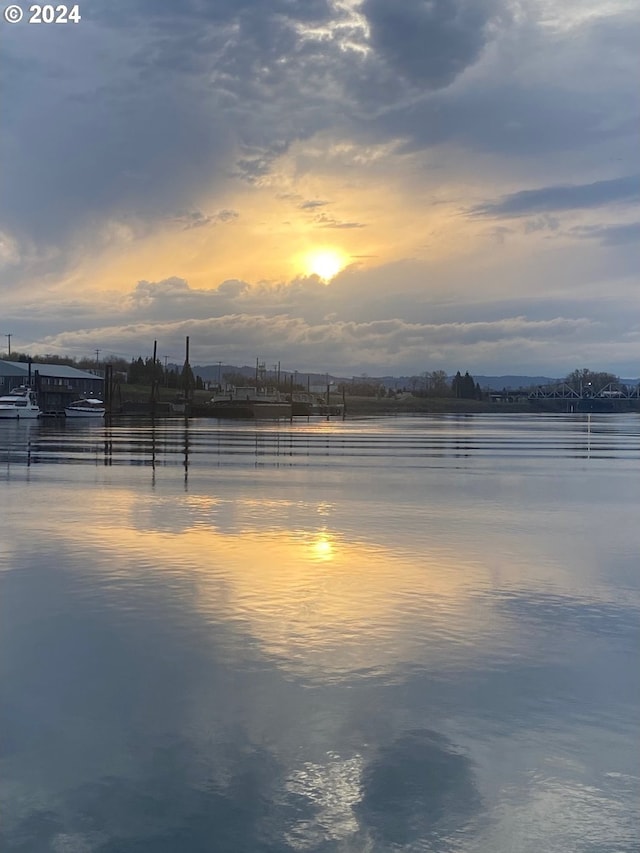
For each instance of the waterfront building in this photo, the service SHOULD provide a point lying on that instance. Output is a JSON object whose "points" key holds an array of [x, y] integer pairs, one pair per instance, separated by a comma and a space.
{"points": [[56, 385]]}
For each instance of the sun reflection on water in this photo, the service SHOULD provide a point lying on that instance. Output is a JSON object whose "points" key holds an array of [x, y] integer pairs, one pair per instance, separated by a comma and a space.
{"points": [[311, 598], [322, 547]]}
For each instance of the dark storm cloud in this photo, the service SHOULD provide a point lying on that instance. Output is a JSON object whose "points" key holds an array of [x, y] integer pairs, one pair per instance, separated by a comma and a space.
{"points": [[129, 117], [154, 102], [166, 13], [81, 149], [538, 93], [158, 101], [429, 42], [560, 198], [513, 118]]}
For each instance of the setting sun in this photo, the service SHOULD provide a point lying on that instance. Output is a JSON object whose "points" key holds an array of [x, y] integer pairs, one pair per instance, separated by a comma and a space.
{"points": [[325, 263]]}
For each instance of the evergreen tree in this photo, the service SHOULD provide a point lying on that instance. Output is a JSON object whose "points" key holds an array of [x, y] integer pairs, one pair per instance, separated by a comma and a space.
{"points": [[187, 379], [464, 387], [468, 387]]}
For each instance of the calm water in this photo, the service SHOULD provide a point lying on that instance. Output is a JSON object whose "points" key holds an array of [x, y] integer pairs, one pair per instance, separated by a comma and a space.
{"points": [[413, 634]]}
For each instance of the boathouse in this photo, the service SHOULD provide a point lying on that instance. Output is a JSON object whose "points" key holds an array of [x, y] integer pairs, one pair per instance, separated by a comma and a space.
{"points": [[55, 384]]}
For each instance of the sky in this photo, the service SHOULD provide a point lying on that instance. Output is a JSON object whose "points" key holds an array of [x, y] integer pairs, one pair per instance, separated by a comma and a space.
{"points": [[379, 187]]}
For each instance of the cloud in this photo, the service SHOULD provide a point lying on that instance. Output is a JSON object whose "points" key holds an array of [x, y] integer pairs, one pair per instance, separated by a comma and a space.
{"points": [[325, 221], [385, 345], [197, 219], [561, 198], [537, 89], [311, 205], [114, 146], [131, 137], [540, 223], [165, 100], [9, 251], [611, 235], [429, 42]]}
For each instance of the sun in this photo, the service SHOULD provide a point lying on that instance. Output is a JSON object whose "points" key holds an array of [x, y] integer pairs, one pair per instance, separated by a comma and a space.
{"points": [[325, 263]]}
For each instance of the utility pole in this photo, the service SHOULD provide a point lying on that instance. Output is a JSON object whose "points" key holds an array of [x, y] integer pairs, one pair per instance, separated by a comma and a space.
{"points": [[187, 374], [154, 379], [97, 358], [8, 337], [166, 376]]}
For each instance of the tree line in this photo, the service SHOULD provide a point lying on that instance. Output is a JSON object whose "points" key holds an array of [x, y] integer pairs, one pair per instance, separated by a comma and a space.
{"points": [[436, 383], [143, 372]]}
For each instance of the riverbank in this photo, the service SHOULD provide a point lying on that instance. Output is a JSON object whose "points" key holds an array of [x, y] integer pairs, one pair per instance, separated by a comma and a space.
{"points": [[427, 405], [135, 399]]}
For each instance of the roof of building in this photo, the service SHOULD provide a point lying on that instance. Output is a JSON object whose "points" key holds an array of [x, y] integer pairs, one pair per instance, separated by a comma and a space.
{"points": [[60, 371]]}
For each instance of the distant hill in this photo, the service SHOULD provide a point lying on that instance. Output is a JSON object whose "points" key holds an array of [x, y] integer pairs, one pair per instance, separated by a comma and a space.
{"points": [[497, 383], [211, 372], [494, 383]]}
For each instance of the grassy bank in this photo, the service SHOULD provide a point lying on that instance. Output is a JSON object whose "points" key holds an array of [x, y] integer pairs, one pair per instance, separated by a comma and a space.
{"points": [[444, 405], [368, 406], [362, 406], [355, 405]]}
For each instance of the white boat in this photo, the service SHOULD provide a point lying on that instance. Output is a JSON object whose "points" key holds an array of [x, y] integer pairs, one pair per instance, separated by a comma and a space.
{"points": [[21, 403], [88, 407]]}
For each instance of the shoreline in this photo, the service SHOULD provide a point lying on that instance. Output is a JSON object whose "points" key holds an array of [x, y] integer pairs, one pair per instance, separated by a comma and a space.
{"points": [[367, 407], [136, 402]]}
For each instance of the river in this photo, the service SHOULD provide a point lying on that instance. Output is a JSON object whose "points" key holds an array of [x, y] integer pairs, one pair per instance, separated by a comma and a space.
{"points": [[405, 633]]}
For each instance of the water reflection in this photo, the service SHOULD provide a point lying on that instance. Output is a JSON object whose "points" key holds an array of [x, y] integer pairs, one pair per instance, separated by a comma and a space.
{"points": [[414, 635], [322, 548], [419, 442], [419, 787], [308, 597]]}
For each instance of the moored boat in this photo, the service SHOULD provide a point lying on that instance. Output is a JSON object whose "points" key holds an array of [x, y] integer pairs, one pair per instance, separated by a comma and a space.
{"points": [[88, 407], [250, 402], [21, 403], [307, 405]]}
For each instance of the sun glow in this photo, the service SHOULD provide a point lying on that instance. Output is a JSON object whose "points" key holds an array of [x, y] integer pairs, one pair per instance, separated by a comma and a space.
{"points": [[322, 548], [325, 263]]}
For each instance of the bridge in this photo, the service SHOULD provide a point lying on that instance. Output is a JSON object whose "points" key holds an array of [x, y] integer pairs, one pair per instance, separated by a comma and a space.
{"points": [[563, 391]]}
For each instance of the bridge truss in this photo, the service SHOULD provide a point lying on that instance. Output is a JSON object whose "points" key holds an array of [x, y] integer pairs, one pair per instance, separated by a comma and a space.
{"points": [[563, 391]]}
